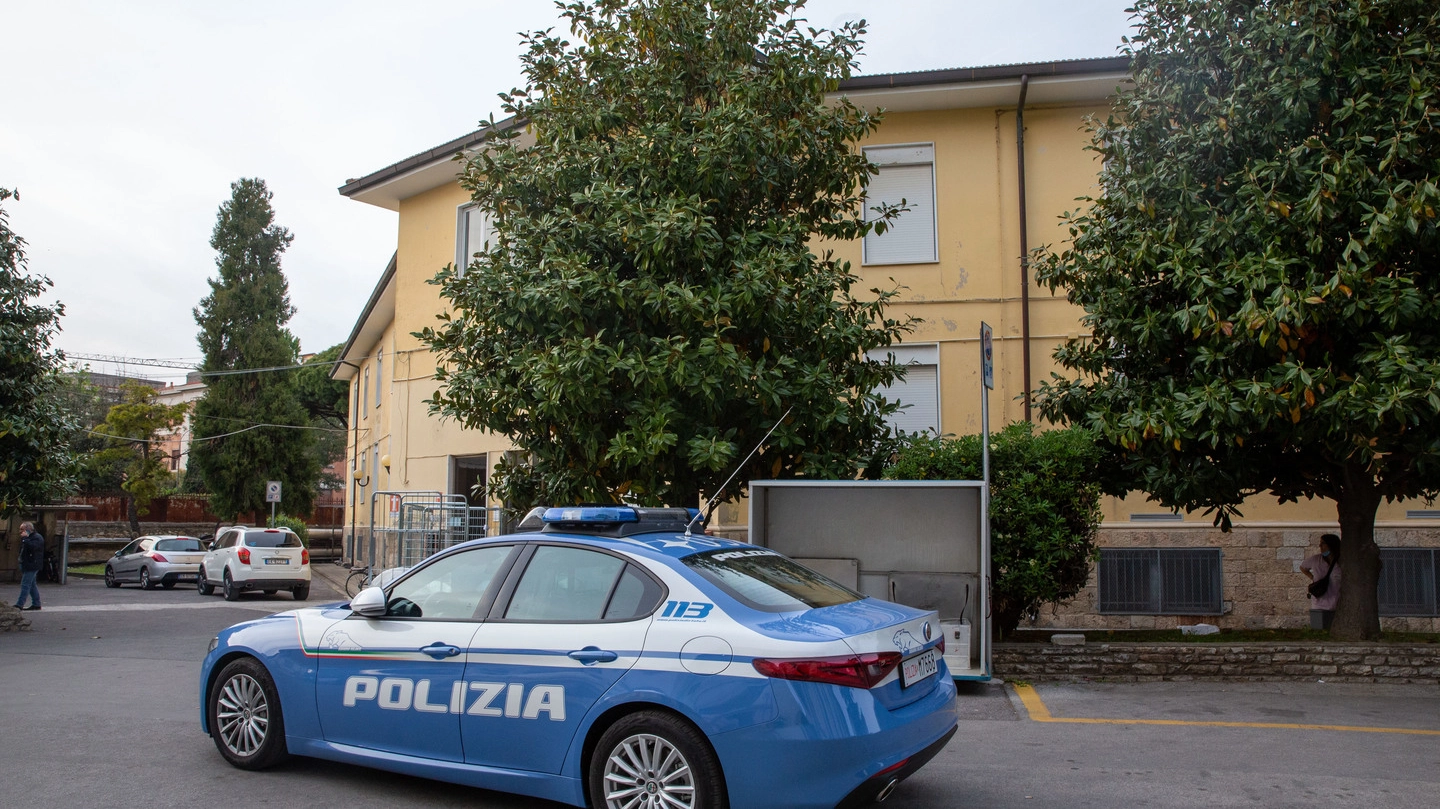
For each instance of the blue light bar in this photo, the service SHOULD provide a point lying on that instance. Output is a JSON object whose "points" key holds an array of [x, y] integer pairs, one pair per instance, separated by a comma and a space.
{"points": [[591, 514]]}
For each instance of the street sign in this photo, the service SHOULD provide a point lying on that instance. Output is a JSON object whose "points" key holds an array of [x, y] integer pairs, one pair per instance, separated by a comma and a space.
{"points": [[272, 491], [987, 355]]}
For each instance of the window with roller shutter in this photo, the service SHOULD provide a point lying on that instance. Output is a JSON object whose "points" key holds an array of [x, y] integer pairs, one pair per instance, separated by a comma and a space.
{"points": [[907, 175]]}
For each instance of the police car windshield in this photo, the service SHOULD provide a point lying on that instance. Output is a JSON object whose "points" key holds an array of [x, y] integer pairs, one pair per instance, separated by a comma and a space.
{"points": [[767, 581], [271, 539]]}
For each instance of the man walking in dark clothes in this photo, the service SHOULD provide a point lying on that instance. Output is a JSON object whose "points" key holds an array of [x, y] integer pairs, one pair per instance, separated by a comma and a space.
{"points": [[32, 558]]}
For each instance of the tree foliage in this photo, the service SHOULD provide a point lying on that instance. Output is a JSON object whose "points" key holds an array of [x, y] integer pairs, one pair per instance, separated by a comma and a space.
{"points": [[133, 428], [326, 400], [242, 427], [35, 461], [1044, 509], [88, 404], [327, 403], [649, 305], [1258, 270]]}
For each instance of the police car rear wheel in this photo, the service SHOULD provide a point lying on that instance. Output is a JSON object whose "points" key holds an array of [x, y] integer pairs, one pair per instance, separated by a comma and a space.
{"points": [[244, 713], [652, 760]]}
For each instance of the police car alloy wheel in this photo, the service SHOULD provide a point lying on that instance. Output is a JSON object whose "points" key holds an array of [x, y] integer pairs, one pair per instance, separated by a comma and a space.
{"points": [[653, 760], [244, 713]]}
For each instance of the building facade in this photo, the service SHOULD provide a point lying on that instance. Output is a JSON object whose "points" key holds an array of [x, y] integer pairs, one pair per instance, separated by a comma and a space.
{"points": [[987, 160]]}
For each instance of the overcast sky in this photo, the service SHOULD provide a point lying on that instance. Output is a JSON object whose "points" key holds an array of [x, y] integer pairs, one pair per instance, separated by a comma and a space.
{"points": [[124, 123]]}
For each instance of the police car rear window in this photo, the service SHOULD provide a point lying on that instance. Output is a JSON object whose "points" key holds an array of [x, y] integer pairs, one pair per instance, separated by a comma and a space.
{"points": [[767, 581], [271, 539]]}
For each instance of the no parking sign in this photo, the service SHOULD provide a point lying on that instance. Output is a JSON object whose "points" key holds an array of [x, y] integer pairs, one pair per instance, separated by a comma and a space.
{"points": [[272, 491]]}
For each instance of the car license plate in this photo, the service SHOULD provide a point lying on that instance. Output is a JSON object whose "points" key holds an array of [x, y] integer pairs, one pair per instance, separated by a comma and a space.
{"points": [[914, 669], [185, 577], [277, 560]]}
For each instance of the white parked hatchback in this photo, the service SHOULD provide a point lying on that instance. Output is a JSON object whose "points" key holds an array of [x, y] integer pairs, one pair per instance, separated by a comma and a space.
{"points": [[266, 559]]}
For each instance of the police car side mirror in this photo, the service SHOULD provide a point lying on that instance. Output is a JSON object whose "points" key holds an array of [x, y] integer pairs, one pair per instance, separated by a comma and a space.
{"points": [[370, 602]]}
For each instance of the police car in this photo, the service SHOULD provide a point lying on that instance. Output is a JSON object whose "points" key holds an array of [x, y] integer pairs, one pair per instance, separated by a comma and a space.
{"points": [[612, 659]]}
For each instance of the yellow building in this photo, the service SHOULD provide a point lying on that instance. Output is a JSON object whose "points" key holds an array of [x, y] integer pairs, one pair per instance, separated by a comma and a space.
{"points": [[987, 159]]}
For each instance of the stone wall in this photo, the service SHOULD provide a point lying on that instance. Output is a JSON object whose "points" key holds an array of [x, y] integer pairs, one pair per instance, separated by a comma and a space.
{"points": [[1132, 662], [1262, 586], [109, 530]]}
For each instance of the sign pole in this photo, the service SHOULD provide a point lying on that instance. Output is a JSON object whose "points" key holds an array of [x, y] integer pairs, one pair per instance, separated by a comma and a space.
{"points": [[272, 496], [987, 384]]}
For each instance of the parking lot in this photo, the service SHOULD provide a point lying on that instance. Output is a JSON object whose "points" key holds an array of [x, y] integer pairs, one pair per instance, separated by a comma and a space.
{"points": [[99, 703]]}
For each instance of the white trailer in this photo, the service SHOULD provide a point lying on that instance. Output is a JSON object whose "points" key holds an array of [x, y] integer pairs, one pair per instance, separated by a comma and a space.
{"points": [[922, 543]]}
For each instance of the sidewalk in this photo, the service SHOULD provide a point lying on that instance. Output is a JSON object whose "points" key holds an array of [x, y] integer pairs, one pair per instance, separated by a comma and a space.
{"points": [[333, 575]]}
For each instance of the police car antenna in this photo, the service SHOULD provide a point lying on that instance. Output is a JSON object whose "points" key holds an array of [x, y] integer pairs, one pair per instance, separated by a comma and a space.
{"points": [[738, 467]]}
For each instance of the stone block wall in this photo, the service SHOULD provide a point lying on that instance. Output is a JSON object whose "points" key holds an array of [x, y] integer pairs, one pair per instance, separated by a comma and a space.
{"points": [[111, 530], [1262, 586], [1132, 662]]}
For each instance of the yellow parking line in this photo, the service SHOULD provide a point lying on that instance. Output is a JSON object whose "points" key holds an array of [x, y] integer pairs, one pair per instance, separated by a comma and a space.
{"points": [[1039, 713]]}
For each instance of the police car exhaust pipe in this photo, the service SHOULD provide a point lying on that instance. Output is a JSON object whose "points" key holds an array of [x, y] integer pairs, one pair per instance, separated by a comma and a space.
{"points": [[886, 790]]}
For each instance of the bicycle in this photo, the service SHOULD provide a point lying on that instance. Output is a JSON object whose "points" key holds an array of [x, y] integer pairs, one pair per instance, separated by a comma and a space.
{"points": [[357, 580]]}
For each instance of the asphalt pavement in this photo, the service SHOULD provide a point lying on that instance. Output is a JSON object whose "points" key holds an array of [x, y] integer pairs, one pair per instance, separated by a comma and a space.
{"points": [[99, 704]]}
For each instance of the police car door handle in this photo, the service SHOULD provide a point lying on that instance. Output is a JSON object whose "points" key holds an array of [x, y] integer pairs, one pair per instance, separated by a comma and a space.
{"points": [[591, 655], [439, 650]]}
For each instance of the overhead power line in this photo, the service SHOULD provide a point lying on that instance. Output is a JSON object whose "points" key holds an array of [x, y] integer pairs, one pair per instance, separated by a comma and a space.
{"points": [[191, 366], [118, 360]]}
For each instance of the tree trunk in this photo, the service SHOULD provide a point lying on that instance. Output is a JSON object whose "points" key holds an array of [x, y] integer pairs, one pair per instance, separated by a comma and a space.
{"points": [[1357, 615], [133, 512]]}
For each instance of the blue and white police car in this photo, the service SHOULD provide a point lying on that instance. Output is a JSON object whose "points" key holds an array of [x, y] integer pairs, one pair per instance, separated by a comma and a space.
{"points": [[612, 659]]}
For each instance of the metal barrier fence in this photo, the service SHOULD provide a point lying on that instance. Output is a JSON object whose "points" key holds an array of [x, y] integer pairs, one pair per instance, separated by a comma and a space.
{"points": [[407, 527]]}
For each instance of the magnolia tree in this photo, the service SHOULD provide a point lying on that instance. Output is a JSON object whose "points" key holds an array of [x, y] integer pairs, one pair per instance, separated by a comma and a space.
{"points": [[36, 465], [1258, 270], [658, 292]]}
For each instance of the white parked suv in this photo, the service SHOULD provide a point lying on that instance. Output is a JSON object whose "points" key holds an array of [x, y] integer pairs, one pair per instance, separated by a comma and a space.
{"points": [[267, 559]]}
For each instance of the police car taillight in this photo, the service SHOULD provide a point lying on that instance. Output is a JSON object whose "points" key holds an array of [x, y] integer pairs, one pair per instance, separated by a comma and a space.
{"points": [[854, 671]]}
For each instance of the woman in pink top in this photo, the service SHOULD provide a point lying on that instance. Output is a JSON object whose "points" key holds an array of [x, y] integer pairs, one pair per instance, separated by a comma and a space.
{"points": [[1317, 567]]}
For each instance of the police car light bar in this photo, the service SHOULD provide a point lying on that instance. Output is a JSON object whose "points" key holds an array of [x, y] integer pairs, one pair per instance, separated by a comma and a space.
{"points": [[591, 514]]}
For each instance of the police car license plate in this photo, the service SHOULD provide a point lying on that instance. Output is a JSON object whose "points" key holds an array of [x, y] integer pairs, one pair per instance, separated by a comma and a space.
{"points": [[277, 560], [914, 669]]}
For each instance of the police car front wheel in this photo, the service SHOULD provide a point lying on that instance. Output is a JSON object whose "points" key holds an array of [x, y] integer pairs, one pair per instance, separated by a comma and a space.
{"points": [[244, 713], [654, 759]]}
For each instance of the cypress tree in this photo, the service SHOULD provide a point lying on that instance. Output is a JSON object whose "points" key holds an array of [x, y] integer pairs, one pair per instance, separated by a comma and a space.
{"points": [[244, 426]]}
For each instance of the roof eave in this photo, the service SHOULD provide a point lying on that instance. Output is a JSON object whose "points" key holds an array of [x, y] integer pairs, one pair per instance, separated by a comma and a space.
{"points": [[1051, 82], [429, 169]]}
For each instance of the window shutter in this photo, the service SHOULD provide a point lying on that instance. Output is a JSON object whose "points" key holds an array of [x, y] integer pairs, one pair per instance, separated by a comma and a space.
{"points": [[908, 174], [919, 398]]}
